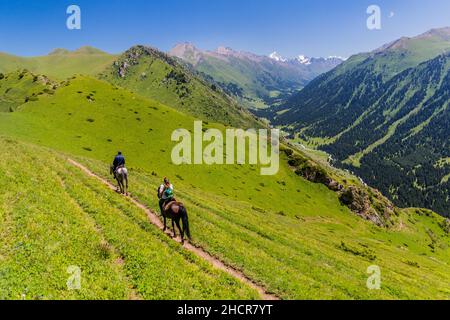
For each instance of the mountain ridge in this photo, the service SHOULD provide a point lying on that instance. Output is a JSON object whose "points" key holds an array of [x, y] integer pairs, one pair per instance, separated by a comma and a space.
{"points": [[377, 112], [81, 50], [156, 75], [256, 81]]}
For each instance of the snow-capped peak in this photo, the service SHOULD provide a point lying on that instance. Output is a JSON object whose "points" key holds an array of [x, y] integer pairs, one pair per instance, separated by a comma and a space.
{"points": [[275, 56], [304, 59]]}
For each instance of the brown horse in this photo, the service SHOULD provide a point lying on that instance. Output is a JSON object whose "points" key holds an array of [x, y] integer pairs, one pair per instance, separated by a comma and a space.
{"points": [[176, 211], [121, 176]]}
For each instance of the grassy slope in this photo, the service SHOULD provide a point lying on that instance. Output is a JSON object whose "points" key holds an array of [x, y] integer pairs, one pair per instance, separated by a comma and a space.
{"points": [[59, 66], [418, 51], [142, 129], [391, 61], [53, 216], [20, 86], [302, 256], [282, 231]]}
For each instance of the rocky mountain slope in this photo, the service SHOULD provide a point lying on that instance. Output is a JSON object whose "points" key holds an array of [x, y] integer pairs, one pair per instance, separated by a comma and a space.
{"points": [[155, 75]]}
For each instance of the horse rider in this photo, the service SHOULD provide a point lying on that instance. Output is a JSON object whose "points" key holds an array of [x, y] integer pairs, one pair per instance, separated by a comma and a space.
{"points": [[119, 161], [165, 193]]}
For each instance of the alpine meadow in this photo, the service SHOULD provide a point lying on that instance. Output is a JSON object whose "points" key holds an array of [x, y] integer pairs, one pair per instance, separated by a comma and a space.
{"points": [[350, 202]]}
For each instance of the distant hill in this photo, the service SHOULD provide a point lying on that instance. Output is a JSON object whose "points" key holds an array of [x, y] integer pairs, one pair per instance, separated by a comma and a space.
{"points": [[385, 115], [86, 50], [156, 75], [257, 81], [60, 63]]}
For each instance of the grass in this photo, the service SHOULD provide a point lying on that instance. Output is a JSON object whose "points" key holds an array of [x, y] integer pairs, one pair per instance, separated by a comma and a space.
{"points": [[302, 256], [445, 178], [290, 235], [69, 121], [19, 87], [54, 217], [442, 162]]}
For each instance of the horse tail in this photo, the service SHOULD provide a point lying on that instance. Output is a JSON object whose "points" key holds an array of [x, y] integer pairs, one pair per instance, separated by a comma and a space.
{"points": [[184, 217]]}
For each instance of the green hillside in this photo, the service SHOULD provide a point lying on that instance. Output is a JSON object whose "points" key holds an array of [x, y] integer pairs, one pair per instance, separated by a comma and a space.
{"points": [[155, 75], [384, 116], [60, 64], [54, 217], [19, 87], [290, 235]]}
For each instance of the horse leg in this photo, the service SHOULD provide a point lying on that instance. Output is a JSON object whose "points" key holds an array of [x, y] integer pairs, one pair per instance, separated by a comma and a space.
{"points": [[118, 183], [173, 228], [165, 226], [121, 186], [181, 230], [185, 220], [126, 185]]}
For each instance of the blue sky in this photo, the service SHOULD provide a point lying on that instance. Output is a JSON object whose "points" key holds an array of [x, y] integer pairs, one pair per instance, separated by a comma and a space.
{"points": [[291, 27]]}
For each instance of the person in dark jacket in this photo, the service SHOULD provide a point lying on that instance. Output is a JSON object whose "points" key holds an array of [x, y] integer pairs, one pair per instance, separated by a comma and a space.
{"points": [[119, 161]]}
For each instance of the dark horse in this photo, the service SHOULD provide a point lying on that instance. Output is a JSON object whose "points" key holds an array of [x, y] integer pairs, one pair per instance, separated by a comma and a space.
{"points": [[121, 175], [175, 211]]}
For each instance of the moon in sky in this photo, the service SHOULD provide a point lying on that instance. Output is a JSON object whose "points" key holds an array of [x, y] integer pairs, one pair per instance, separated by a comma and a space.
{"points": [[392, 14]]}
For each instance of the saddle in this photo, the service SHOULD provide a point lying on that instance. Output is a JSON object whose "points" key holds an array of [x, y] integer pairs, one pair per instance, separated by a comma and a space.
{"points": [[118, 169], [175, 205]]}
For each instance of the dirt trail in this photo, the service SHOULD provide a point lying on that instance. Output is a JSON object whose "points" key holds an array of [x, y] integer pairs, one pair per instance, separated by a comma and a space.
{"points": [[153, 217]]}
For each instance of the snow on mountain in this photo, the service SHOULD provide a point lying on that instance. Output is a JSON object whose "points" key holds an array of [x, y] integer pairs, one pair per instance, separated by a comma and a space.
{"points": [[304, 60], [275, 56]]}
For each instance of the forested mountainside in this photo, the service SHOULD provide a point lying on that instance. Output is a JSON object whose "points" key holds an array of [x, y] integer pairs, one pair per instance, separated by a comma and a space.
{"points": [[385, 116]]}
